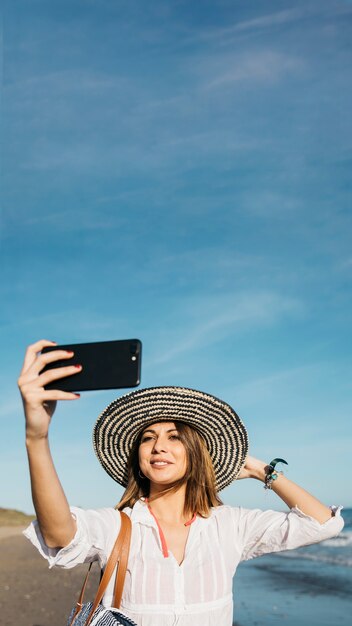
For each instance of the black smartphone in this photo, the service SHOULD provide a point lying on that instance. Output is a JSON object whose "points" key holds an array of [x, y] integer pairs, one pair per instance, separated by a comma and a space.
{"points": [[105, 365]]}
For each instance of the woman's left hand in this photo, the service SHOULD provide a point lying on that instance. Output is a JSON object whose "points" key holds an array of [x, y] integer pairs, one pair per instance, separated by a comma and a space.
{"points": [[253, 468]]}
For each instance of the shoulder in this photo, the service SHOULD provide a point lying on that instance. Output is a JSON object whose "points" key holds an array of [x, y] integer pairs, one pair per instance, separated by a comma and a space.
{"points": [[225, 516], [225, 511], [237, 517]]}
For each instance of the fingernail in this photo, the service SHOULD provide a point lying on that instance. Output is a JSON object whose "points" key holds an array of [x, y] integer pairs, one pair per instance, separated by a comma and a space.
{"points": [[69, 351], [78, 367], [78, 395]]}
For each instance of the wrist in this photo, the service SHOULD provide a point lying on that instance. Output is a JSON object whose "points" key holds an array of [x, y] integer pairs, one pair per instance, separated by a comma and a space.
{"points": [[259, 472], [35, 439], [272, 474]]}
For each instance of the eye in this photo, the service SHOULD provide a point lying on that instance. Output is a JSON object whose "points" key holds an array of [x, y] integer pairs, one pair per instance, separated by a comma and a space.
{"points": [[146, 438], [175, 437]]}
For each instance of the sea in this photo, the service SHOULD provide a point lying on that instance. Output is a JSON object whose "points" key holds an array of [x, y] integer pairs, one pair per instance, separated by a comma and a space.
{"points": [[310, 586]]}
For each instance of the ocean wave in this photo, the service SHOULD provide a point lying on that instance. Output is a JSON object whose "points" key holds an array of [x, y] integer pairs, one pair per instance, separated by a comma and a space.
{"points": [[342, 540], [332, 559]]}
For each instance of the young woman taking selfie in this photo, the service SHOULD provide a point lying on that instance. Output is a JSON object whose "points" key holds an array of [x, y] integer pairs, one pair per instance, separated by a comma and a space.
{"points": [[173, 449]]}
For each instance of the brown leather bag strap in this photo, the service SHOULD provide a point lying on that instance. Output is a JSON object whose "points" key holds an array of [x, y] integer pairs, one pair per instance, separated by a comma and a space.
{"points": [[124, 536], [119, 555], [123, 560]]}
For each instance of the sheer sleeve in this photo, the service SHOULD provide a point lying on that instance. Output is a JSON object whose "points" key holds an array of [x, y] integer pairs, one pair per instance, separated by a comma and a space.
{"points": [[262, 532], [93, 541]]}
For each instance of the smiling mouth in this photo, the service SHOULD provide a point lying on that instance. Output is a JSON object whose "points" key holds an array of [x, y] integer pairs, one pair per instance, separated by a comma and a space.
{"points": [[160, 464]]}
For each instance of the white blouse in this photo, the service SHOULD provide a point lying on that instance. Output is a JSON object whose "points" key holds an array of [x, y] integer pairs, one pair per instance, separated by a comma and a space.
{"points": [[160, 592]]}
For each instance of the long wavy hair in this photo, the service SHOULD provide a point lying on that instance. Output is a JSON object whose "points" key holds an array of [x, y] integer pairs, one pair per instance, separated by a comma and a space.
{"points": [[201, 493]]}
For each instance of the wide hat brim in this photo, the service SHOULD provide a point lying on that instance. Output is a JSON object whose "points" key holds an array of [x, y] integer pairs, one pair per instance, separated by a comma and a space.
{"points": [[119, 425]]}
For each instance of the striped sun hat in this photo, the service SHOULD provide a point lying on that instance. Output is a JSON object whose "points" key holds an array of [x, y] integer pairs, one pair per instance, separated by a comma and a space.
{"points": [[119, 425]]}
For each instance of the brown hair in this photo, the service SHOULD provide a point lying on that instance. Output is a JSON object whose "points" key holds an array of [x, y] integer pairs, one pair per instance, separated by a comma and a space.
{"points": [[199, 477]]}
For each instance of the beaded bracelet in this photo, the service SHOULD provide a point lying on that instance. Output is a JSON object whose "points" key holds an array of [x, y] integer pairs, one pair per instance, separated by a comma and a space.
{"points": [[271, 474]]}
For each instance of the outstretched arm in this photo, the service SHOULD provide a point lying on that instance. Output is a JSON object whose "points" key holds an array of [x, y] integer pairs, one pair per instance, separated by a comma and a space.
{"points": [[53, 514], [288, 491]]}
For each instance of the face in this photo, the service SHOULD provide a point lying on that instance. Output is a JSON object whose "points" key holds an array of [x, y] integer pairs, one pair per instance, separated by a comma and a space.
{"points": [[162, 455]]}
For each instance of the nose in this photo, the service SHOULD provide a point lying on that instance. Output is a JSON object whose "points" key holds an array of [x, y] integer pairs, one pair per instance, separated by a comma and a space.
{"points": [[160, 444]]}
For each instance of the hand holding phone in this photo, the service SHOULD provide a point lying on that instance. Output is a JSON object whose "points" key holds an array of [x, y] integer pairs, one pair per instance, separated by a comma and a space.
{"points": [[105, 365]]}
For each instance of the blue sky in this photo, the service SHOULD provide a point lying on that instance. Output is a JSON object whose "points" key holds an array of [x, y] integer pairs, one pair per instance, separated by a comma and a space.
{"points": [[180, 172]]}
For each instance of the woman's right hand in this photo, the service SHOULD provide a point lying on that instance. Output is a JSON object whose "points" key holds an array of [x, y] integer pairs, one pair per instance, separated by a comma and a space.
{"points": [[39, 403], [53, 513]]}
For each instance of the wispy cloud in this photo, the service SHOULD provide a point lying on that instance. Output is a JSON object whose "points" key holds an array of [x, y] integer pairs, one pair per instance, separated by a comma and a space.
{"points": [[76, 219], [262, 66], [276, 383], [212, 318], [309, 10], [270, 20], [214, 266], [75, 319], [223, 35]]}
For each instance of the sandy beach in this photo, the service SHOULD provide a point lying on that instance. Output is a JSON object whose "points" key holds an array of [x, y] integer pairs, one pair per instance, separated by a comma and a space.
{"points": [[30, 593]]}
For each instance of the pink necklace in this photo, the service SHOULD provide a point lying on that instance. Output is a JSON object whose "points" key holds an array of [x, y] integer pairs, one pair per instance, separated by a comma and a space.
{"points": [[161, 534]]}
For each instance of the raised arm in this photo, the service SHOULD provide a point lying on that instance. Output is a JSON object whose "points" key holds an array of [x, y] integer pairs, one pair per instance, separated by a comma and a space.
{"points": [[288, 491], [53, 514]]}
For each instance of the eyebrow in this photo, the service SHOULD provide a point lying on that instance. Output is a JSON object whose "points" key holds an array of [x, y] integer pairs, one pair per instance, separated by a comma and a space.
{"points": [[151, 430]]}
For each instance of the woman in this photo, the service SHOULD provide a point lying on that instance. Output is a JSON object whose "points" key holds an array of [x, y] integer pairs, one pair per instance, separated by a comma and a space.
{"points": [[173, 449]]}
